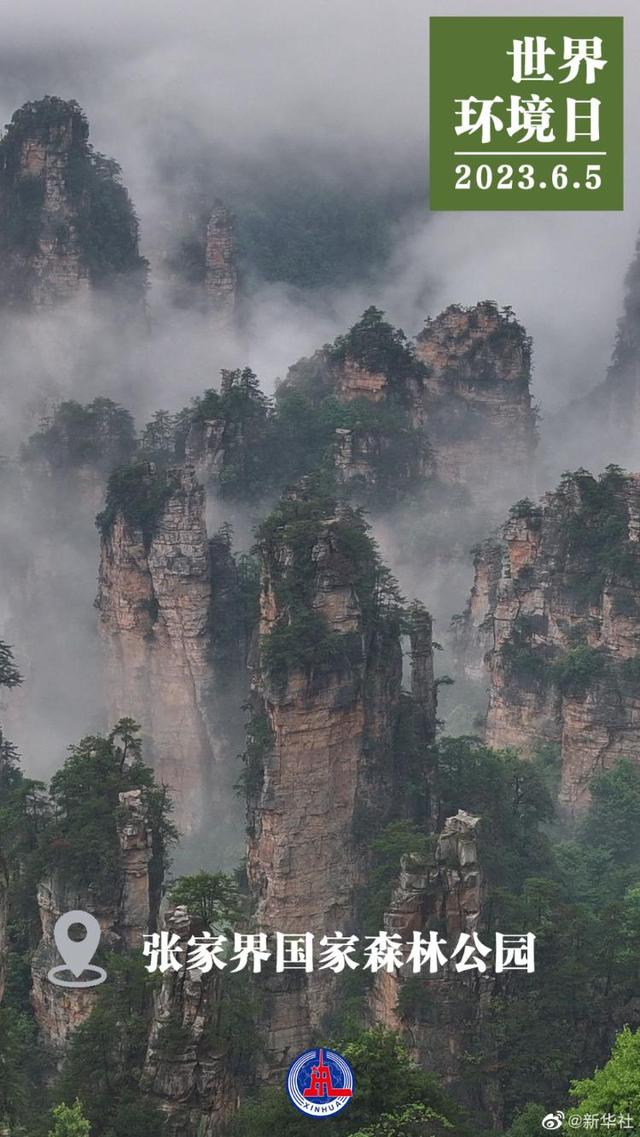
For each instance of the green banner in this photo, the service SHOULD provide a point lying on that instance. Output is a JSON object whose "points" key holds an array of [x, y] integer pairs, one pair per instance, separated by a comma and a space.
{"points": [[526, 112]]}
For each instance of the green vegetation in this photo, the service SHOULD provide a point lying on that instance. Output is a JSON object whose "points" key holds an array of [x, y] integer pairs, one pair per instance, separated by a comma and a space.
{"points": [[74, 831], [69, 1121], [23, 215], [580, 898], [612, 823], [105, 226], [573, 672], [615, 1089], [262, 445], [315, 232], [397, 839], [99, 434], [511, 797], [630, 669], [18, 1069], [414, 1121], [104, 1062], [523, 661], [375, 345], [597, 533], [235, 1032], [301, 638], [214, 897], [244, 410], [140, 492], [233, 610], [267, 446], [107, 223], [303, 641], [624, 603], [576, 671], [259, 744], [158, 438], [527, 1123], [19, 829], [526, 509], [526, 661], [81, 840], [9, 674]]}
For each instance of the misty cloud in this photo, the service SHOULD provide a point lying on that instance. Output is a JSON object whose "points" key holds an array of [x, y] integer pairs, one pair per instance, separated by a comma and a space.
{"points": [[195, 98]]}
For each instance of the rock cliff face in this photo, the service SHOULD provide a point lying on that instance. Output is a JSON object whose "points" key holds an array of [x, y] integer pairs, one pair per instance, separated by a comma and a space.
{"points": [[221, 277], [124, 918], [154, 598], [53, 194], [326, 777], [617, 400], [205, 447], [477, 403], [202, 270], [440, 1014], [188, 1071], [463, 385], [36, 156], [556, 605]]}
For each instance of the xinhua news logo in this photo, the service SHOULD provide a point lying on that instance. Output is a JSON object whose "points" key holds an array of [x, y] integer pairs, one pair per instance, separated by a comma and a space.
{"points": [[320, 1083]]}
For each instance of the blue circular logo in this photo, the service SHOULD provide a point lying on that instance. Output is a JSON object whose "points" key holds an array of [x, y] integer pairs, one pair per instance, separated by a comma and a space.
{"points": [[320, 1083]]}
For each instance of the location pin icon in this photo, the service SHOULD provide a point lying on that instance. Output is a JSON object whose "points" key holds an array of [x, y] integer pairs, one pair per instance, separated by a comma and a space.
{"points": [[77, 954]]}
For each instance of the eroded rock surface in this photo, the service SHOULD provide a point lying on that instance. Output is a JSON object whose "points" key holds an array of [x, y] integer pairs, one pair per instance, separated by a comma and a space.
{"points": [[154, 597], [556, 606]]}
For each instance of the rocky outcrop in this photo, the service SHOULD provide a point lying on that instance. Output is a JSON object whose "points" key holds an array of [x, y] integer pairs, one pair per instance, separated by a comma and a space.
{"points": [[378, 466], [188, 1069], [53, 193], [473, 630], [201, 267], [226, 438], [35, 158], [206, 447], [477, 402], [384, 450], [616, 402], [463, 386], [326, 775], [124, 918], [221, 276], [440, 1014], [354, 380], [154, 599], [423, 687], [561, 620]]}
